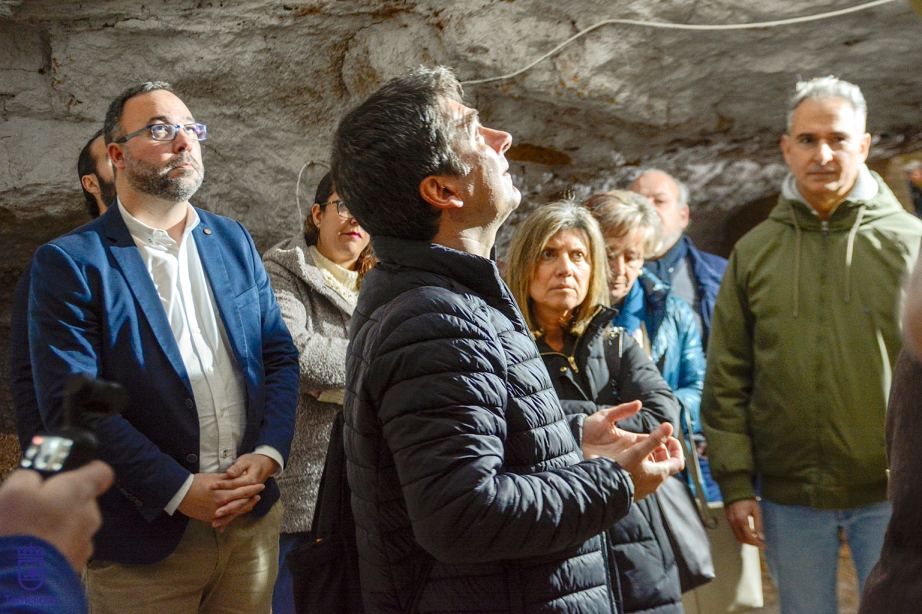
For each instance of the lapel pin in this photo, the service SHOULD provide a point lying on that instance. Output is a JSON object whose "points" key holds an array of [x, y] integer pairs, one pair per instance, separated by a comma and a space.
{"points": [[206, 230]]}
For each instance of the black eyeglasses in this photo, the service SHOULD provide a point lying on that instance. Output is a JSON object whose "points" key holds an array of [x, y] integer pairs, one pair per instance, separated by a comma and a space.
{"points": [[341, 209], [168, 132]]}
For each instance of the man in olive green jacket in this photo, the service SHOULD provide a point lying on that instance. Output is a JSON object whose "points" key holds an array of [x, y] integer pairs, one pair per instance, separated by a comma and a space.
{"points": [[805, 335]]}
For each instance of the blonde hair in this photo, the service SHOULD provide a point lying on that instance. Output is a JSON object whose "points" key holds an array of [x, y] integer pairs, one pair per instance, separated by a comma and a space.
{"points": [[530, 240], [620, 212]]}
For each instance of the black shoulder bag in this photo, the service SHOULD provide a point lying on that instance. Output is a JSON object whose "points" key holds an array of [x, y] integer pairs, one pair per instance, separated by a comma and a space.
{"points": [[685, 515], [326, 566]]}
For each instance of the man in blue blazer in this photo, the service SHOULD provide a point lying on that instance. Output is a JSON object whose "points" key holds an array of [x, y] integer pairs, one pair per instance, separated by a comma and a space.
{"points": [[173, 303]]}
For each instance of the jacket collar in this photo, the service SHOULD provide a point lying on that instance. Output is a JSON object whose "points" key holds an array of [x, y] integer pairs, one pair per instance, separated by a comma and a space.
{"points": [[478, 275]]}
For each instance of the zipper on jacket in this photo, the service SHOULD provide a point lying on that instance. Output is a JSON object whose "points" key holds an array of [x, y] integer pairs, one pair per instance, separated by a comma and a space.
{"points": [[617, 331], [571, 360], [824, 225]]}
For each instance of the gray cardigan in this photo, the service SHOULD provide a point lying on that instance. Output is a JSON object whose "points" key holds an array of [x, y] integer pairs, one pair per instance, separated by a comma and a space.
{"points": [[318, 319]]}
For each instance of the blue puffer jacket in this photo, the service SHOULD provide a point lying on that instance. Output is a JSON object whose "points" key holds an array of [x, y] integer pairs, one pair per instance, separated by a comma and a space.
{"points": [[707, 270], [675, 340], [468, 488]]}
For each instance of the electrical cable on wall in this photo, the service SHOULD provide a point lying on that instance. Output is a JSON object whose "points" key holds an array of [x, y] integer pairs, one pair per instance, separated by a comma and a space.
{"points": [[649, 24], [681, 26], [298, 190]]}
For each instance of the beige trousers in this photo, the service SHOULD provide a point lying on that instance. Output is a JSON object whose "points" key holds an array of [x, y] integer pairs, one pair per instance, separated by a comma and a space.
{"points": [[209, 572]]}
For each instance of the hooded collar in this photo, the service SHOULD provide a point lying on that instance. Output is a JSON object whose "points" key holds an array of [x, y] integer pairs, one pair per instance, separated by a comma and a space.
{"points": [[865, 189], [864, 203]]}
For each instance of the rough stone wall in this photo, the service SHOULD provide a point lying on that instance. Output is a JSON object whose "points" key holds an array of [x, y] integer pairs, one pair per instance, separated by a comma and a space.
{"points": [[272, 78]]}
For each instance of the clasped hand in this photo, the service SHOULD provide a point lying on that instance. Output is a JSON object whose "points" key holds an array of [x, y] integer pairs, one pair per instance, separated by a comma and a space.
{"points": [[649, 458], [219, 498]]}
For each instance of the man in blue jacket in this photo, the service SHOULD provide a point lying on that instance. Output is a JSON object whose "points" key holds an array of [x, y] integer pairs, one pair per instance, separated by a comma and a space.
{"points": [[173, 303], [692, 274]]}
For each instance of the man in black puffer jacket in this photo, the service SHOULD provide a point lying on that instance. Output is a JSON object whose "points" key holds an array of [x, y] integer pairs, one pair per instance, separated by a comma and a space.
{"points": [[469, 486]]}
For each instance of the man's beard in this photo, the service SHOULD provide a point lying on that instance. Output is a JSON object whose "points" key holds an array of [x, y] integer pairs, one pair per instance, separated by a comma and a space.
{"points": [[106, 192], [156, 181]]}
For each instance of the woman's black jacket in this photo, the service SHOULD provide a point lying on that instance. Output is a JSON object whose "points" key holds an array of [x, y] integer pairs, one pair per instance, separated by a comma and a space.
{"points": [[605, 366]]}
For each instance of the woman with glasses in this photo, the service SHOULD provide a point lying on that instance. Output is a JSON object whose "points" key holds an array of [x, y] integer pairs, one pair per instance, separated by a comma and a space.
{"points": [[315, 276], [557, 271]]}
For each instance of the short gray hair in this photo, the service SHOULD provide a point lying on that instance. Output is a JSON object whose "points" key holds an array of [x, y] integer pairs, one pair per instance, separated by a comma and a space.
{"points": [[620, 212], [826, 87], [680, 185]]}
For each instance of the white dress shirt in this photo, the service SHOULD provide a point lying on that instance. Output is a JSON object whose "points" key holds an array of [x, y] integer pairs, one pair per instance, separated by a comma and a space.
{"points": [[217, 384]]}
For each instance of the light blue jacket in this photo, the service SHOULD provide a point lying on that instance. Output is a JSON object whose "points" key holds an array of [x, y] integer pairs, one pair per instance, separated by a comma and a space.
{"points": [[676, 342]]}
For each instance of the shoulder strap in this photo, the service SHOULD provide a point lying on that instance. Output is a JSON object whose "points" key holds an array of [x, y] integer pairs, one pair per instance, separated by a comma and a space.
{"points": [[694, 469]]}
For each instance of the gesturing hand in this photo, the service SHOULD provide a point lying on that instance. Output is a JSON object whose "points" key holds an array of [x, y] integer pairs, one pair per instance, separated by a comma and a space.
{"points": [[650, 459]]}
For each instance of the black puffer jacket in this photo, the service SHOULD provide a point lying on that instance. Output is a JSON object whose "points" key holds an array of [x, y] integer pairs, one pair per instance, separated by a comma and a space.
{"points": [[605, 366], [468, 488]]}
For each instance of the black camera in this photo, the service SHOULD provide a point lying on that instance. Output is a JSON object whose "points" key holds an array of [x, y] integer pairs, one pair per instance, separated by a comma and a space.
{"points": [[85, 400]]}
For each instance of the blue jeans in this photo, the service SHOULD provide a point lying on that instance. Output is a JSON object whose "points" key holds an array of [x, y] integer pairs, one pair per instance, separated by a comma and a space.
{"points": [[283, 599], [802, 551]]}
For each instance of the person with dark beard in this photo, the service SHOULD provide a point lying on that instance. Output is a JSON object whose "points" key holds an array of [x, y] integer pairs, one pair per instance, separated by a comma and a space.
{"points": [[97, 181], [173, 303]]}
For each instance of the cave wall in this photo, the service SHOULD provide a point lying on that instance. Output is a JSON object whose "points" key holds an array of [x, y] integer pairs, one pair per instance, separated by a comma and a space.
{"points": [[272, 79]]}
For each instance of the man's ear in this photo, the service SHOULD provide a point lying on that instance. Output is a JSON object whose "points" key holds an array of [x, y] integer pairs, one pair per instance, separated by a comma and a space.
{"points": [[865, 146], [684, 215], [116, 156], [784, 143], [90, 184], [439, 191]]}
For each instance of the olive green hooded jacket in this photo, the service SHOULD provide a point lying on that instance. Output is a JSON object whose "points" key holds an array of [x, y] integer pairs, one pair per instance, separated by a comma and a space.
{"points": [[799, 363]]}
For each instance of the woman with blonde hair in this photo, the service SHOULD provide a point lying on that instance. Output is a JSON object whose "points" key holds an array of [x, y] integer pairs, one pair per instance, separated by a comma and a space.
{"points": [[315, 276], [557, 271]]}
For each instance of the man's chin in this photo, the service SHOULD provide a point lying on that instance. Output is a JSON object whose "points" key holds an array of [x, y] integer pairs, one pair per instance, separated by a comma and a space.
{"points": [[515, 198]]}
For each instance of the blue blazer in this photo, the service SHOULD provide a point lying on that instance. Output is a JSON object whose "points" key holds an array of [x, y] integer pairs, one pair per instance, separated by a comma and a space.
{"points": [[93, 309], [709, 271]]}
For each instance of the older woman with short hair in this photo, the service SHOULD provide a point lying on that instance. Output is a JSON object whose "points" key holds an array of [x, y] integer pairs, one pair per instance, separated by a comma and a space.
{"points": [[661, 322], [557, 271]]}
